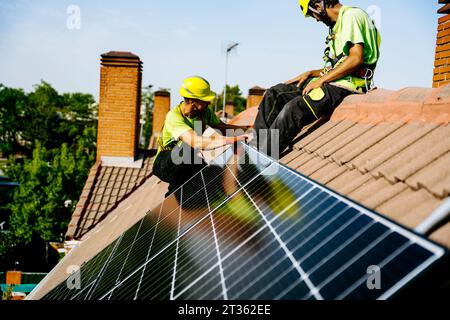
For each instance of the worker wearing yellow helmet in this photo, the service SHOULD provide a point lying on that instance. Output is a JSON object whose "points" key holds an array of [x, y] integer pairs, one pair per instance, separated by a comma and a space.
{"points": [[177, 160], [350, 57]]}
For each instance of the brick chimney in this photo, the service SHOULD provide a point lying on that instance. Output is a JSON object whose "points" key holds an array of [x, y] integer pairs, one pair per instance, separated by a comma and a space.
{"points": [[255, 96], [442, 59], [229, 109], [119, 109], [161, 106]]}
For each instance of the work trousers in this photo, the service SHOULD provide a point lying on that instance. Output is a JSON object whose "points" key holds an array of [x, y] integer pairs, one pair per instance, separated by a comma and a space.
{"points": [[286, 109], [177, 174]]}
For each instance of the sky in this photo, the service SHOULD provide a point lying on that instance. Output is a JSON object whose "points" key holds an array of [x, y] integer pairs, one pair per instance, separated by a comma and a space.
{"points": [[61, 41]]}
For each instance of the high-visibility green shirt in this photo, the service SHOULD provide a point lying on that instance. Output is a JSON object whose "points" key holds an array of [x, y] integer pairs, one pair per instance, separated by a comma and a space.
{"points": [[354, 26], [176, 124]]}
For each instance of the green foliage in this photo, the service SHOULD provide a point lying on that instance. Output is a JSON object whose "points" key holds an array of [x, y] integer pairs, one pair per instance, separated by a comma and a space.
{"points": [[13, 103], [45, 116], [147, 101], [235, 96], [41, 119], [57, 136], [38, 204]]}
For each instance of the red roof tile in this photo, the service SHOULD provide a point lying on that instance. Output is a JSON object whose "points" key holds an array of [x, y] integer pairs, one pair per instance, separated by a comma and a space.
{"points": [[105, 188]]}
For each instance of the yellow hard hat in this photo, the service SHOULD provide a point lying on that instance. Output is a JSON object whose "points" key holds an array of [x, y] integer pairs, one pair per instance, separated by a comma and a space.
{"points": [[197, 88], [304, 5]]}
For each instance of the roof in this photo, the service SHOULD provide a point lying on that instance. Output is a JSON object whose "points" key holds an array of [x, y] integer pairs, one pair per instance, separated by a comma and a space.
{"points": [[105, 188], [242, 119], [388, 150]]}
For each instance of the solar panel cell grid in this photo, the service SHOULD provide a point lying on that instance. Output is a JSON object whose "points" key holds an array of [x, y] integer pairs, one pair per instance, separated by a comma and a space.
{"points": [[196, 255], [248, 228], [209, 287]]}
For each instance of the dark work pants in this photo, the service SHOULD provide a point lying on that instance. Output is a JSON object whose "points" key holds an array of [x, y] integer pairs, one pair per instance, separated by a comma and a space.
{"points": [[177, 174], [284, 108]]}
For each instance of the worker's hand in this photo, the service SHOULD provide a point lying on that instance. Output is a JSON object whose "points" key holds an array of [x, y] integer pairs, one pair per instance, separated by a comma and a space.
{"points": [[243, 128], [300, 79], [311, 86], [244, 137]]}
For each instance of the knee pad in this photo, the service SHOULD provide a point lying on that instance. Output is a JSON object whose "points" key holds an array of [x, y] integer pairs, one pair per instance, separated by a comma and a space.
{"points": [[317, 94]]}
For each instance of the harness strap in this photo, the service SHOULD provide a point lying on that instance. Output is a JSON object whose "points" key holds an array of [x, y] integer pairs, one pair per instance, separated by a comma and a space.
{"points": [[364, 73]]}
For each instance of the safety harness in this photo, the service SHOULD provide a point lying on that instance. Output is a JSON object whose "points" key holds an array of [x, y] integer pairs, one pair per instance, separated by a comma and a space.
{"points": [[361, 77]]}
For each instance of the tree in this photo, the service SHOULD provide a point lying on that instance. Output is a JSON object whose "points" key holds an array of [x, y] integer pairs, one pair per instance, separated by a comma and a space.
{"points": [[147, 101], [78, 106], [58, 136], [234, 95], [41, 117], [12, 108], [42, 206], [45, 116]]}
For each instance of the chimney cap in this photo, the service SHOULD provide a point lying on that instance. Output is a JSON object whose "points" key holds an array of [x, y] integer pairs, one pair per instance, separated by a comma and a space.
{"points": [[256, 91], [120, 54], [162, 93], [121, 59]]}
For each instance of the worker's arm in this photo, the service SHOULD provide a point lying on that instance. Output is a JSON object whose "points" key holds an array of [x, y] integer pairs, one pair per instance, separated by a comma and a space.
{"points": [[354, 60], [303, 77], [209, 143], [223, 127]]}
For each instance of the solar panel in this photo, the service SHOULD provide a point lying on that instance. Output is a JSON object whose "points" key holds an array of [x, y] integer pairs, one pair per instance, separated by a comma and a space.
{"points": [[248, 228]]}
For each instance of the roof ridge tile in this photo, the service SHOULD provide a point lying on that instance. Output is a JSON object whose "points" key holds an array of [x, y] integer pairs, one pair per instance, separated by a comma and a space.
{"points": [[417, 103]]}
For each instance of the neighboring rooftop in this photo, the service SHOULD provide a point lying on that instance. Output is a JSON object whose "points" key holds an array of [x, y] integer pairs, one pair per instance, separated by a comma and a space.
{"points": [[105, 188]]}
